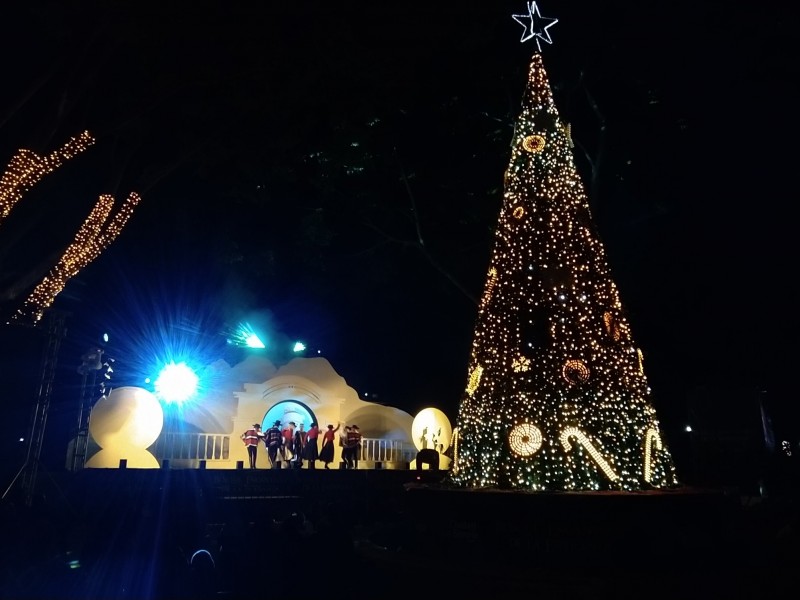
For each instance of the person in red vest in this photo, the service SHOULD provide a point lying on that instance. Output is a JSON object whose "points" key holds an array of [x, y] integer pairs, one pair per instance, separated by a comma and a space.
{"points": [[311, 451], [250, 439], [352, 447], [326, 454]]}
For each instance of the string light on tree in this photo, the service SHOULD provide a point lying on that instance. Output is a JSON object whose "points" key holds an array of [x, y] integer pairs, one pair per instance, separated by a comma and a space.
{"points": [[26, 168], [556, 395], [93, 237]]}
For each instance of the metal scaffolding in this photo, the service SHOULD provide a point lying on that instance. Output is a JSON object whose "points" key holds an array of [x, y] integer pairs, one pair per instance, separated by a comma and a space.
{"points": [[56, 330]]}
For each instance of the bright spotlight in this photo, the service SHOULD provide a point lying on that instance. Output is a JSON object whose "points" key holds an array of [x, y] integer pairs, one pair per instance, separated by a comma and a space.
{"points": [[176, 383], [299, 347], [252, 341], [245, 336]]}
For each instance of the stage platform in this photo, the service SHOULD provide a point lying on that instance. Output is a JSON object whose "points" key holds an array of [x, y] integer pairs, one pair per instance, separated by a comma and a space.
{"points": [[127, 533]]}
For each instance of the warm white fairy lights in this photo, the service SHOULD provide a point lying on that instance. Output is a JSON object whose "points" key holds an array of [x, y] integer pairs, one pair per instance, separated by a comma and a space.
{"points": [[533, 143], [454, 446], [26, 168], [525, 439], [521, 364], [490, 281], [552, 346], [575, 371], [474, 379], [580, 437], [567, 129], [651, 441], [94, 236]]}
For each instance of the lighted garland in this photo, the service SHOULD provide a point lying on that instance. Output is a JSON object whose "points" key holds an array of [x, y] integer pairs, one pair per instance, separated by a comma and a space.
{"points": [[91, 239], [26, 168]]}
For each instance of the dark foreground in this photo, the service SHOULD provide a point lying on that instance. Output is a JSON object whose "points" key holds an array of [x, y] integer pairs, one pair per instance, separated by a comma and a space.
{"points": [[384, 534]]}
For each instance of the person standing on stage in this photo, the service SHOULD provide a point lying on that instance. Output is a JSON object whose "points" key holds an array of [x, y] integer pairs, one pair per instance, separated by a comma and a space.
{"points": [[250, 439], [326, 454], [273, 440], [352, 447], [299, 446], [357, 452], [287, 449], [312, 450]]}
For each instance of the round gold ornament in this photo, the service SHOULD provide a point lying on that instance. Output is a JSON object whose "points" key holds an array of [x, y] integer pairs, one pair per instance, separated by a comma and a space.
{"points": [[533, 143], [575, 371], [525, 439]]}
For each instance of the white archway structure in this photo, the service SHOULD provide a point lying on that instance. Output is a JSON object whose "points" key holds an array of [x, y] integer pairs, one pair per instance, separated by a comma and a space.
{"points": [[206, 433]]}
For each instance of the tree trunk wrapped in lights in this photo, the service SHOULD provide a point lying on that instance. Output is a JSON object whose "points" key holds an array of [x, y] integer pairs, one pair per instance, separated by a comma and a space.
{"points": [[556, 395]]}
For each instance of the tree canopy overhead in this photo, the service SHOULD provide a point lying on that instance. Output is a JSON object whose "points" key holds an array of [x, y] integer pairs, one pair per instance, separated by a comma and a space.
{"points": [[342, 163]]}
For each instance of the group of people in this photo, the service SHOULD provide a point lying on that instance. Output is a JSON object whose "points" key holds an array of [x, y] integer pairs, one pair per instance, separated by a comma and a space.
{"points": [[295, 446]]}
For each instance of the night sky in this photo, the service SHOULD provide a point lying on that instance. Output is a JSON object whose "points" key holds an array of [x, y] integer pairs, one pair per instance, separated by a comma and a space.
{"points": [[332, 171]]}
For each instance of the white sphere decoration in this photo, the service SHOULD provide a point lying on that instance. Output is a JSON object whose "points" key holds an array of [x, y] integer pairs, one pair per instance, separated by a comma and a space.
{"points": [[430, 428], [128, 418], [135, 458]]}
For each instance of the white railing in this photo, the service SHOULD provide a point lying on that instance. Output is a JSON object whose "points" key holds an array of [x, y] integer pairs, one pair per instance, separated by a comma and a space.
{"points": [[193, 446], [213, 447], [386, 451]]}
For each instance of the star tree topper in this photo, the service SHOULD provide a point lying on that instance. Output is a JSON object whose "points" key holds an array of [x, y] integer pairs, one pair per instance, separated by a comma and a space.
{"points": [[535, 25]]}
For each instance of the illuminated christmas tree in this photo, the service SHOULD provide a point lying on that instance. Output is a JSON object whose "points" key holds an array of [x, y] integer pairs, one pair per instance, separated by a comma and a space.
{"points": [[557, 397]]}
